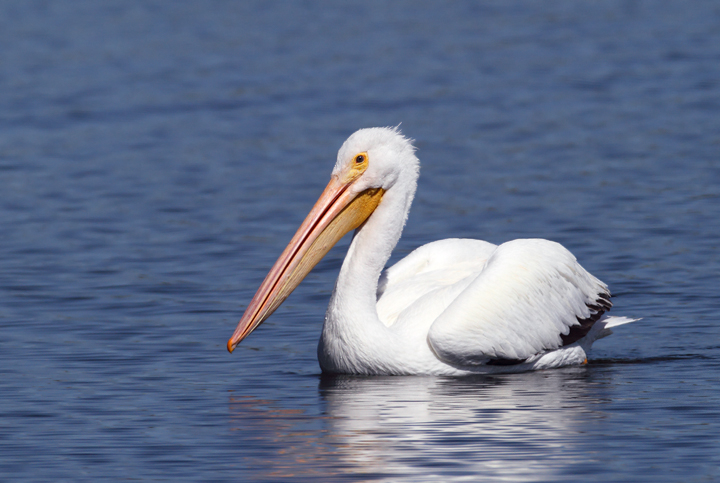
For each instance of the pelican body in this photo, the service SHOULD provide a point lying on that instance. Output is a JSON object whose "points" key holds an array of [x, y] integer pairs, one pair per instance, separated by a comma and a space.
{"points": [[451, 307]]}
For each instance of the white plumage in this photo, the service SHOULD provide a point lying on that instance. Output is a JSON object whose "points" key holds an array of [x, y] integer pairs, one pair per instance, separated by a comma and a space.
{"points": [[454, 306]]}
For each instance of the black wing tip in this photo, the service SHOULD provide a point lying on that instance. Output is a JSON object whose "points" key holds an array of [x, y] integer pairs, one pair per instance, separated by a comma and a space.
{"points": [[602, 304]]}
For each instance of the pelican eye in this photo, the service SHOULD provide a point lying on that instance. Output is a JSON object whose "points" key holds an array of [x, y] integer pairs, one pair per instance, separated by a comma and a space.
{"points": [[356, 166]]}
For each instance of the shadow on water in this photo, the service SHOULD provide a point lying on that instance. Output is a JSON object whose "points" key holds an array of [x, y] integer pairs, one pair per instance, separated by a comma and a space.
{"points": [[510, 426]]}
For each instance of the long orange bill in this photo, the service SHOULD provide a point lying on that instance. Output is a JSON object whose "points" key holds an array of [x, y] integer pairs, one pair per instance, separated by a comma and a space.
{"points": [[336, 212]]}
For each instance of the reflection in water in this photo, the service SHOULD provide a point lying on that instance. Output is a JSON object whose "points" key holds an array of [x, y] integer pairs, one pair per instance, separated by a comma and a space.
{"points": [[515, 427]]}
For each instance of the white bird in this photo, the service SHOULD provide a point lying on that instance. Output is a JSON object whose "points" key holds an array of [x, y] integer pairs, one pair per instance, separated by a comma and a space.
{"points": [[451, 307]]}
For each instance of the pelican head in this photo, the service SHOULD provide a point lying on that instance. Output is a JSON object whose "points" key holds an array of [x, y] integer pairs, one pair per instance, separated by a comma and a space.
{"points": [[369, 163]]}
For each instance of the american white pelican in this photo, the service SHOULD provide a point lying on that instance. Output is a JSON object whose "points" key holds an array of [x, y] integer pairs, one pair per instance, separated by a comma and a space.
{"points": [[453, 306]]}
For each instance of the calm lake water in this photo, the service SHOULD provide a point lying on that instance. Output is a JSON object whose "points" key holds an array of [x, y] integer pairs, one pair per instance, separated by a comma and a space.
{"points": [[156, 157]]}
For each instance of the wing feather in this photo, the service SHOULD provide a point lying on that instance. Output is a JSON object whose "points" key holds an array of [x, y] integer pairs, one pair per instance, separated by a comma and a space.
{"points": [[529, 295], [429, 279]]}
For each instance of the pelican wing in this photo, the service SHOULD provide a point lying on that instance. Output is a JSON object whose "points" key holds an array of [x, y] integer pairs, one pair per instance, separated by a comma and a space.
{"points": [[531, 296], [420, 287]]}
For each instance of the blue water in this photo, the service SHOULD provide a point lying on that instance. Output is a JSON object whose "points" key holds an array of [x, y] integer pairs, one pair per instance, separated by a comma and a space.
{"points": [[155, 158]]}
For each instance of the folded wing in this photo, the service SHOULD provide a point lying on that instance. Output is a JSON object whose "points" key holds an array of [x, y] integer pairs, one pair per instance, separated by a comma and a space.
{"points": [[530, 296], [420, 287]]}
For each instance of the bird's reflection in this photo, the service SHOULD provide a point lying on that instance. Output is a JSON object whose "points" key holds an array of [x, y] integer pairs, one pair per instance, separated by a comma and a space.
{"points": [[513, 427]]}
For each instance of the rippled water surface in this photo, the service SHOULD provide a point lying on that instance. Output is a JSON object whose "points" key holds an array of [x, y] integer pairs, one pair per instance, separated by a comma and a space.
{"points": [[155, 158]]}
